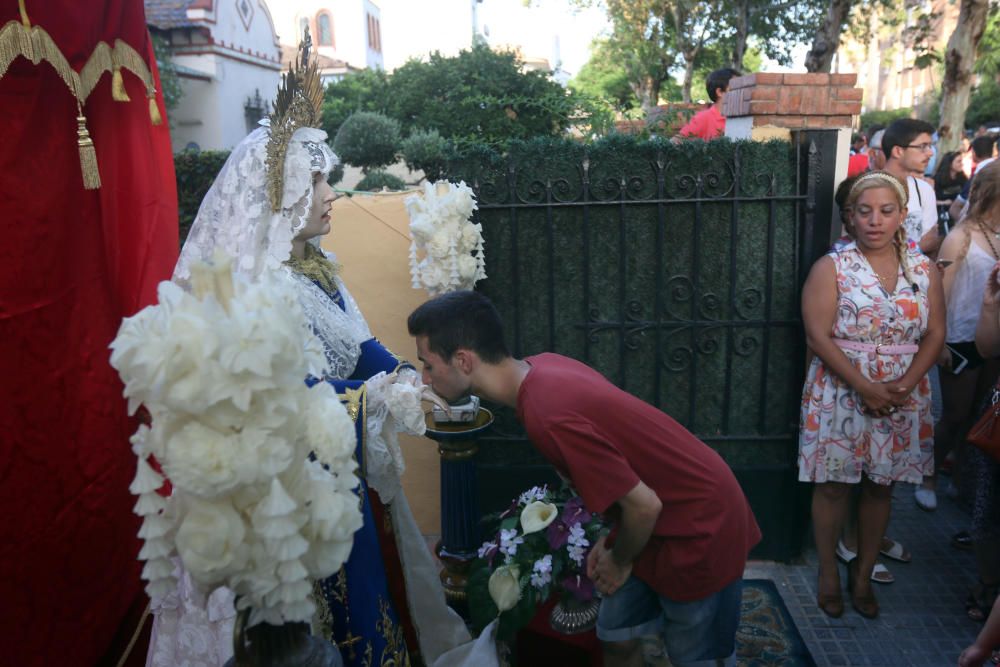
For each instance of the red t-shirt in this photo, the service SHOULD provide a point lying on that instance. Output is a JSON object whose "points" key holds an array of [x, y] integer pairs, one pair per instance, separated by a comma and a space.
{"points": [[706, 124], [606, 440]]}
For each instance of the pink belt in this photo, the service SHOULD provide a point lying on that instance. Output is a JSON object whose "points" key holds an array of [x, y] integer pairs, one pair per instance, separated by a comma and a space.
{"points": [[877, 349]]}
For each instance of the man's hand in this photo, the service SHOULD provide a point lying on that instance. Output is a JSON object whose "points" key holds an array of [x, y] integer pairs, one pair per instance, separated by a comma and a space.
{"points": [[607, 575]]}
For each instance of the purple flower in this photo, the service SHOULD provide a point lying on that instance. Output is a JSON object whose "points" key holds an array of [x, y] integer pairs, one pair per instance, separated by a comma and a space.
{"points": [[574, 511], [579, 587], [488, 551], [557, 534]]}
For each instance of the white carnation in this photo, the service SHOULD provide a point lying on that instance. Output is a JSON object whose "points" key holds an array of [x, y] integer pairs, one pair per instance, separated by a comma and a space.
{"points": [[439, 245], [209, 540], [204, 461]]}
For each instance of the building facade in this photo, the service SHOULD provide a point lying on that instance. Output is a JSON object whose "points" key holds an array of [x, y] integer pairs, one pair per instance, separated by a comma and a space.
{"points": [[228, 61], [346, 34], [887, 64]]}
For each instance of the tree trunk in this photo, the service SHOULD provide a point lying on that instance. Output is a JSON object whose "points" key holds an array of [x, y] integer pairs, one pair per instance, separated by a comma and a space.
{"points": [[688, 75], [742, 23], [648, 92], [827, 38], [959, 58]]}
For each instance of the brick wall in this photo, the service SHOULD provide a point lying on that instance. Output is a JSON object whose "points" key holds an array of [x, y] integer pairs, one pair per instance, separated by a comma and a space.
{"points": [[794, 100]]}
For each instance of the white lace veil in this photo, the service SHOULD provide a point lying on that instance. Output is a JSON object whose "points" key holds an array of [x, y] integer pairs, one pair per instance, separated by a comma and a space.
{"points": [[236, 217]]}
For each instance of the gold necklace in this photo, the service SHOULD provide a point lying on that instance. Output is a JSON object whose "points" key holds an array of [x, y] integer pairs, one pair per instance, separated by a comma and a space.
{"points": [[881, 280]]}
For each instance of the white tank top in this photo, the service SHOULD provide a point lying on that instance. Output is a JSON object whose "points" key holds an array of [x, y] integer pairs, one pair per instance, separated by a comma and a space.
{"points": [[967, 294]]}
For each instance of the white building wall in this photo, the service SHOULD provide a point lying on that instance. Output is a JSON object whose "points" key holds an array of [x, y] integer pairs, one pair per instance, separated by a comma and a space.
{"points": [[350, 34]]}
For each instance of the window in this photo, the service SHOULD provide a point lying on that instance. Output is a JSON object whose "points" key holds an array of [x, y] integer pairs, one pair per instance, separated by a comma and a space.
{"points": [[324, 29], [374, 34]]}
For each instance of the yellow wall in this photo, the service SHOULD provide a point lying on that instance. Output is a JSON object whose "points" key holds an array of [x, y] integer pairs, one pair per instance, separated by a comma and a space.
{"points": [[370, 237]]}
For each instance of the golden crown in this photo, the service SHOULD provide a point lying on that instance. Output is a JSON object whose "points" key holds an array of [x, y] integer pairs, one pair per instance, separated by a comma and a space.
{"points": [[298, 104]]}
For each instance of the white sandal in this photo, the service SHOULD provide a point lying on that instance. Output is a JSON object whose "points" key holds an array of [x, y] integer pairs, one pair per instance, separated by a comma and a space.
{"points": [[880, 573]]}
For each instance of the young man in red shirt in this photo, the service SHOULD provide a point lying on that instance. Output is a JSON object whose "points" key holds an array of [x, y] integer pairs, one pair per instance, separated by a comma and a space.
{"points": [[710, 123], [682, 527]]}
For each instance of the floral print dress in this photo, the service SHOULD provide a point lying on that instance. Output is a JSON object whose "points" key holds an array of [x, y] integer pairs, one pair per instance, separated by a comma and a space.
{"points": [[837, 440]]}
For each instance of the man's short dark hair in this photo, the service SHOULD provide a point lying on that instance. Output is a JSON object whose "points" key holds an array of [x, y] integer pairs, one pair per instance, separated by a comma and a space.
{"points": [[460, 320], [902, 132], [719, 79], [982, 147]]}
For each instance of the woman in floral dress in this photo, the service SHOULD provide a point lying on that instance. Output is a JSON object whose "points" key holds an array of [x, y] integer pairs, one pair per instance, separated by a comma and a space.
{"points": [[873, 312]]}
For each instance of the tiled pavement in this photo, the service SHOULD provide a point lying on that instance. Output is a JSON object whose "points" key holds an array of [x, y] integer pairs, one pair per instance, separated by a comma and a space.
{"points": [[922, 621]]}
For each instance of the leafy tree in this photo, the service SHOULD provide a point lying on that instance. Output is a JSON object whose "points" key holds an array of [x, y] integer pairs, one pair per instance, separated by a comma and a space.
{"points": [[426, 151], [377, 179], [960, 55], [884, 117], [988, 62], [483, 95], [603, 76], [368, 140], [367, 90], [984, 105], [170, 84]]}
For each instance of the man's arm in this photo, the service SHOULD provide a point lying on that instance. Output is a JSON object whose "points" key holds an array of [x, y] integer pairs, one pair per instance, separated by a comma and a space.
{"points": [[609, 568]]}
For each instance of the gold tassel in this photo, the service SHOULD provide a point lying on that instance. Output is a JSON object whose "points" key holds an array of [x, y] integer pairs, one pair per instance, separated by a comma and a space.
{"points": [[154, 111], [118, 93], [88, 156]]}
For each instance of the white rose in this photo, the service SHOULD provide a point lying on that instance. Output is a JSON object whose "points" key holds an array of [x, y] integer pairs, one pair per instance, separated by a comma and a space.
{"points": [[209, 541], [537, 516], [504, 587], [422, 227], [204, 461], [469, 237], [439, 245], [467, 267]]}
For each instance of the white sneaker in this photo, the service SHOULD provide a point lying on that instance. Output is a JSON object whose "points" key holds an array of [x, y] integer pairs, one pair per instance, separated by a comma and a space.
{"points": [[926, 499]]}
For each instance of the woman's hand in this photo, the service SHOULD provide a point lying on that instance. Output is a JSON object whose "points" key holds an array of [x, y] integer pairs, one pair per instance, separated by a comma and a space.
{"points": [[877, 398], [944, 359], [991, 296], [899, 393]]}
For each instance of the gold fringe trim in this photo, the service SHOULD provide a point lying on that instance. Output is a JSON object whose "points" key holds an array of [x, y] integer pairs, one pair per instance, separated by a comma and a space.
{"points": [[118, 93], [154, 111], [88, 156], [35, 44]]}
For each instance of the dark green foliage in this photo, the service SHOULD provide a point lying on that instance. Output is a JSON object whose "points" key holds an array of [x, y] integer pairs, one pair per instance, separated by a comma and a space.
{"points": [[195, 173], [425, 150], [479, 95], [169, 83], [883, 118], [367, 90], [984, 107], [377, 179], [336, 174], [367, 139]]}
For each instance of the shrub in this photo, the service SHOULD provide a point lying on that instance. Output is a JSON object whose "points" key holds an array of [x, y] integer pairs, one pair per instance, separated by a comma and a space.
{"points": [[883, 118], [426, 150], [195, 172], [368, 140], [377, 179]]}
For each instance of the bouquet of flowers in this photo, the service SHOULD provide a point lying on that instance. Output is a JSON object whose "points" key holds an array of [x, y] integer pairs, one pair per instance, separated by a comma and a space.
{"points": [[539, 549], [446, 252], [261, 467]]}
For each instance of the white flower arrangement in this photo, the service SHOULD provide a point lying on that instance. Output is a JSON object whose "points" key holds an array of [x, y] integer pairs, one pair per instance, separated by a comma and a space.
{"points": [[221, 371], [446, 251]]}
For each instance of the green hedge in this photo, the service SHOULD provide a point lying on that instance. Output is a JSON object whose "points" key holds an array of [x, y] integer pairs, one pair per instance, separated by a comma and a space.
{"points": [[195, 173]]}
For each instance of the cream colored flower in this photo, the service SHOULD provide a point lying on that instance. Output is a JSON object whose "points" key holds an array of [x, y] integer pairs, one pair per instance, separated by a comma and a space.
{"points": [[469, 237], [208, 541], [403, 401], [329, 429], [504, 587], [467, 267], [439, 245], [537, 516], [204, 461]]}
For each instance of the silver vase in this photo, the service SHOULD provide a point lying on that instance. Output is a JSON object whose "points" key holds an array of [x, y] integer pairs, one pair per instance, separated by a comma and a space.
{"points": [[571, 617]]}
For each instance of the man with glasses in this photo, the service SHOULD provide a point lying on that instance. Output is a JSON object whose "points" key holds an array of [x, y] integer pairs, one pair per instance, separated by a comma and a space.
{"points": [[908, 147]]}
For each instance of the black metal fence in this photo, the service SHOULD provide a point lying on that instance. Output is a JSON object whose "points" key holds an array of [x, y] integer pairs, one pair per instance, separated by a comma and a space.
{"points": [[675, 271]]}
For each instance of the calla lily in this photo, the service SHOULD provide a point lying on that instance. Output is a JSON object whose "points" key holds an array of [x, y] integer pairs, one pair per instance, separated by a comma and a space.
{"points": [[537, 516]]}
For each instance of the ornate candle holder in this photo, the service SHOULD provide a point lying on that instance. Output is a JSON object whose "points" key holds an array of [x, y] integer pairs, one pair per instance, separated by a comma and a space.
{"points": [[460, 538]]}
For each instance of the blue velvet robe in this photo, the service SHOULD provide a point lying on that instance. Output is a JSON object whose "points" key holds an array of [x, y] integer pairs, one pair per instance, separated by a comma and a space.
{"points": [[357, 608]]}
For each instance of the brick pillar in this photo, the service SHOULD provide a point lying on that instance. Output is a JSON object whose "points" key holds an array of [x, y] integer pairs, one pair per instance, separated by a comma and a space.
{"points": [[768, 105]]}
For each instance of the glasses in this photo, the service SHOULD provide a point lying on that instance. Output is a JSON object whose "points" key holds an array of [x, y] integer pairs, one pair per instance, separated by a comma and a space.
{"points": [[926, 148]]}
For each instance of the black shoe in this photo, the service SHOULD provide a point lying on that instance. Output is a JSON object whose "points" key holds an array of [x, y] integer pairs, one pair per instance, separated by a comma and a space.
{"points": [[962, 540]]}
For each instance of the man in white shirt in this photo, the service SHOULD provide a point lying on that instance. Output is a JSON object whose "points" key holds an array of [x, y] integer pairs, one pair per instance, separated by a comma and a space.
{"points": [[908, 147]]}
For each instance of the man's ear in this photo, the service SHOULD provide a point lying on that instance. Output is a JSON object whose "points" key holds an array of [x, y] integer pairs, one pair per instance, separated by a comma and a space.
{"points": [[465, 360]]}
